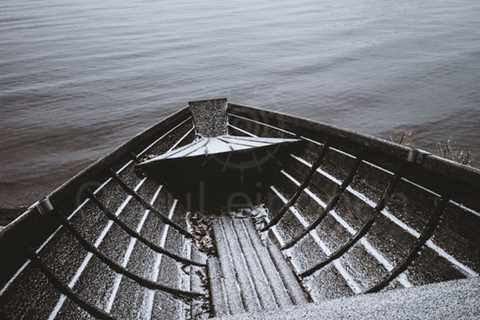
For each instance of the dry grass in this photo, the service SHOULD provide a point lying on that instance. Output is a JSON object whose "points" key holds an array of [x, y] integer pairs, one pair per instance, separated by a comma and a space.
{"points": [[402, 137], [446, 149]]}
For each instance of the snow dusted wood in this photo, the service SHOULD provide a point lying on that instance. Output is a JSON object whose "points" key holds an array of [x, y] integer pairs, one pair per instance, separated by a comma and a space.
{"points": [[209, 116]]}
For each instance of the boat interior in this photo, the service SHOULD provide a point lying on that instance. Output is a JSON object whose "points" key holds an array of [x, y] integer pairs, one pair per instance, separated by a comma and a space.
{"points": [[282, 212]]}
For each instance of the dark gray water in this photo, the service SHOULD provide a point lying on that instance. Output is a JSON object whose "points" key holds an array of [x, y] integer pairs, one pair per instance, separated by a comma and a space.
{"points": [[78, 77]]}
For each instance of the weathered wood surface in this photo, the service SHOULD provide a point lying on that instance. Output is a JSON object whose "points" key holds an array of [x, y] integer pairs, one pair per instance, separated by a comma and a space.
{"points": [[352, 214], [249, 275]]}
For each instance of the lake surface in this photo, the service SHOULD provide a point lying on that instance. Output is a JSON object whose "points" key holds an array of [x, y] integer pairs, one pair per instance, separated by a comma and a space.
{"points": [[79, 77]]}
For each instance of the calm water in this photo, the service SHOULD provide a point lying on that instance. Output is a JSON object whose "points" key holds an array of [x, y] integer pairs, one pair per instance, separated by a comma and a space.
{"points": [[78, 77]]}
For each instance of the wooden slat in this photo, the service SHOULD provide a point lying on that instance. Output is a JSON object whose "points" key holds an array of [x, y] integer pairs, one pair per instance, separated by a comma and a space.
{"points": [[217, 285]]}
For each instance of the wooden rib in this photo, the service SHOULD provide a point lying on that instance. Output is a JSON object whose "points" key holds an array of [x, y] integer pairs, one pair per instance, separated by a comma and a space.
{"points": [[331, 204], [299, 191], [389, 190], [379, 207], [415, 250], [119, 269], [363, 231], [135, 158], [128, 253], [339, 252], [369, 248], [139, 237], [81, 205], [148, 206], [442, 253], [88, 257], [351, 283], [64, 289], [74, 212], [337, 264]]}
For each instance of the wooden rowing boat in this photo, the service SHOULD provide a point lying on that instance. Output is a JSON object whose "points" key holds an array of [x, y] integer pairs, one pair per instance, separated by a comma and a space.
{"points": [[223, 210]]}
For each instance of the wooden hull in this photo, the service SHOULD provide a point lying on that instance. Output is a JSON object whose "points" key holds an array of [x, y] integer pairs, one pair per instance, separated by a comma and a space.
{"points": [[344, 215]]}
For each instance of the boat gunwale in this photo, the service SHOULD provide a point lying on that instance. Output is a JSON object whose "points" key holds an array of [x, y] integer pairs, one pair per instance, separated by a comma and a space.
{"points": [[397, 150], [373, 150]]}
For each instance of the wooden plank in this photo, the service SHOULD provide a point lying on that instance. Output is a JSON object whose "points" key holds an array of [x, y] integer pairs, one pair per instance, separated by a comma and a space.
{"points": [[291, 282], [271, 272], [263, 290], [216, 284], [242, 272], [234, 299]]}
